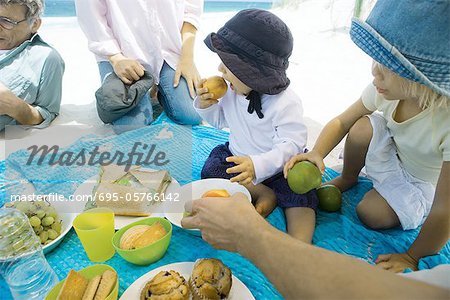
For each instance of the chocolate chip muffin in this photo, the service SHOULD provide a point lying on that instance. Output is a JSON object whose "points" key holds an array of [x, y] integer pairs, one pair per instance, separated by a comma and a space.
{"points": [[166, 285], [210, 280]]}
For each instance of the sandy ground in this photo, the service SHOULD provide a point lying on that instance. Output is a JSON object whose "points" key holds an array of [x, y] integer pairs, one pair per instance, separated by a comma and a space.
{"points": [[326, 69]]}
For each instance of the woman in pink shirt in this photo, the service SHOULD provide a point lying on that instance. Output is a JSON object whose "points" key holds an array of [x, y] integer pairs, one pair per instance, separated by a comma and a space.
{"points": [[130, 37]]}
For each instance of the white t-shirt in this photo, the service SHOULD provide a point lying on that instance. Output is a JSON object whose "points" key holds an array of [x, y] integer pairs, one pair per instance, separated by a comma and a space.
{"points": [[423, 141], [148, 31], [270, 142]]}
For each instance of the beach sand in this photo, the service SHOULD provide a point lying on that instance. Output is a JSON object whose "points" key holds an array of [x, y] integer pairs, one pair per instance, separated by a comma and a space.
{"points": [[326, 69]]}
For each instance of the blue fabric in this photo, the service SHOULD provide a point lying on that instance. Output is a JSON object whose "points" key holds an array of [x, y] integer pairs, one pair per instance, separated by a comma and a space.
{"points": [[341, 232]]}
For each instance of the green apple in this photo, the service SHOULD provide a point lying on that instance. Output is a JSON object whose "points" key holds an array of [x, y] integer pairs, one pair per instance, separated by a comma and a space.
{"points": [[330, 198], [303, 177]]}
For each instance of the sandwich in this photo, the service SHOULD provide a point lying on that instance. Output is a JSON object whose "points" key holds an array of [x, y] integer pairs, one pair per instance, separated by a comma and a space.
{"points": [[130, 193]]}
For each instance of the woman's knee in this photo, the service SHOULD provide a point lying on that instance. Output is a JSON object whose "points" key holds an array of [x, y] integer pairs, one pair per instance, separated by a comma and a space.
{"points": [[184, 117], [361, 132]]}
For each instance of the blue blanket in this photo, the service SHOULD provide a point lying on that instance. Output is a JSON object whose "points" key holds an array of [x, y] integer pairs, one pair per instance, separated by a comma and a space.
{"points": [[341, 232]]}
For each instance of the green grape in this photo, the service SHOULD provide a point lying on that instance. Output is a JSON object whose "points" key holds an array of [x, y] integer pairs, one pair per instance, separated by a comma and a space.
{"points": [[39, 204], [22, 206], [51, 212], [38, 230], [57, 227], [52, 234], [43, 236], [47, 221], [35, 221], [40, 213]]}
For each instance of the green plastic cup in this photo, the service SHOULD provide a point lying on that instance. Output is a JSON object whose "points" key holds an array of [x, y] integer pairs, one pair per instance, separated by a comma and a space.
{"points": [[95, 229]]}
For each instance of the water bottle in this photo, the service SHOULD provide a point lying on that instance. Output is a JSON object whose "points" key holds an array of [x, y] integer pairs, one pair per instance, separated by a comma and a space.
{"points": [[22, 262]]}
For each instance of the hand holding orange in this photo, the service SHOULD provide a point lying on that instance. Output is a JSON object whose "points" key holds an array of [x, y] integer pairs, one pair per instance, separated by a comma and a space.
{"points": [[217, 86]]}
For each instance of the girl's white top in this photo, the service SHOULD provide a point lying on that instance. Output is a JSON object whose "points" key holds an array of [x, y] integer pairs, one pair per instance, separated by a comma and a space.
{"points": [[270, 142], [423, 141], [148, 31]]}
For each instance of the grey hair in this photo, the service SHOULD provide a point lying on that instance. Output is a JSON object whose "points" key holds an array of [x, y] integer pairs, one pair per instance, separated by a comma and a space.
{"points": [[35, 8]]}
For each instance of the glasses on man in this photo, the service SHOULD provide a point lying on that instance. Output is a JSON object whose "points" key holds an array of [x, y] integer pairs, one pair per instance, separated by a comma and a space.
{"points": [[8, 23]]}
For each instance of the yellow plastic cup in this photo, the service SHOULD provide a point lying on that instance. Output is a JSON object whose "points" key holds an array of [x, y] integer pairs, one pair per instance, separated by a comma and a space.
{"points": [[95, 229]]}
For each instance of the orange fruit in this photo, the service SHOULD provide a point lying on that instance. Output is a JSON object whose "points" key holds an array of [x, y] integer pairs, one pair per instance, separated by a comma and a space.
{"points": [[216, 193], [217, 86], [330, 198], [303, 177]]}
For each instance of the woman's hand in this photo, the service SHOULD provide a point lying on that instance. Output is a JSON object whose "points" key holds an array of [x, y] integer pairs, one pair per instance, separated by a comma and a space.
{"points": [[188, 70], [311, 156], [127, 69]]}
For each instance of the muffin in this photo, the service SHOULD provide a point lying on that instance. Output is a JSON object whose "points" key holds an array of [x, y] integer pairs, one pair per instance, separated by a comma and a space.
{"points": [[166, 285], [210, 280]]}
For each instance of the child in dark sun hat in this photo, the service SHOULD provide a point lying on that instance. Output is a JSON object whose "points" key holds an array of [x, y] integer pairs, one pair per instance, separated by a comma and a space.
{"points": [[400, 127], [264, 115]]}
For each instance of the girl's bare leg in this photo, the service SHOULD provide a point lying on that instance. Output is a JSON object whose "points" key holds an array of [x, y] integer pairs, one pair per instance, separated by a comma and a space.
{"points": [[355, 151]]}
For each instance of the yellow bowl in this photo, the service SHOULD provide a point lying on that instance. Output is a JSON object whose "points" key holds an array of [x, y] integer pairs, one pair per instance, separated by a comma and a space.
{"points": [[150, 253], [88, 273]]}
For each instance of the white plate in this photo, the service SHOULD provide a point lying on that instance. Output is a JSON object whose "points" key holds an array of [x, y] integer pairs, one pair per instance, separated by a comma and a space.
{"points": [[86, 188], [238, 289], [174, 211]]}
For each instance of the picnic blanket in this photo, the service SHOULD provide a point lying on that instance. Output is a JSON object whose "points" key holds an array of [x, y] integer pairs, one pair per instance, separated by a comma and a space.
{"points": [[188, 148]]}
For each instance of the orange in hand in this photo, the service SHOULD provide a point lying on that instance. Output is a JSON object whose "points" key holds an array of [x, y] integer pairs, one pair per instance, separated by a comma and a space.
{"points": [[217, 86]]}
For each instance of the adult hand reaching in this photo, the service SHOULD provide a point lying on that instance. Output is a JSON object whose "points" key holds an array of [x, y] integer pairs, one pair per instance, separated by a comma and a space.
{"points": [[127, 69], [221, 220]]}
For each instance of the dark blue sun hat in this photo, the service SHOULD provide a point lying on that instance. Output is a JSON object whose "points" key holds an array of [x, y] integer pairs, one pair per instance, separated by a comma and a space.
{"points": [[411, 38], [255, 45]]}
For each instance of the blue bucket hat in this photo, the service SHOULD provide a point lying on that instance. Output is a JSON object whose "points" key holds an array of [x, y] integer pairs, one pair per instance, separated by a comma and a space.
{"points": [[411, 38]]}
